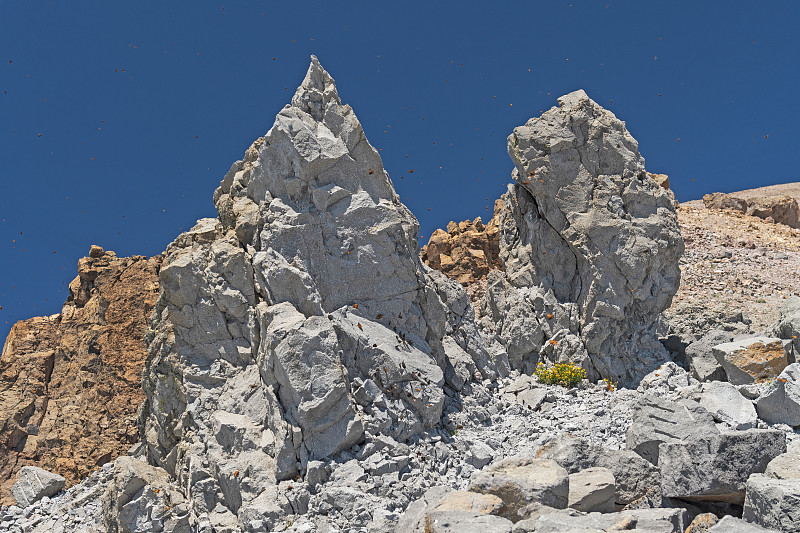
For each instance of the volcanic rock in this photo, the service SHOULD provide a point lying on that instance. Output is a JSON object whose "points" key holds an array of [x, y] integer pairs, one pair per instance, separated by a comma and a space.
{"points": [[717, 469], [589, 246], [70, 384], [753, 359], [466, 252], [773, 503], [302, 319]]}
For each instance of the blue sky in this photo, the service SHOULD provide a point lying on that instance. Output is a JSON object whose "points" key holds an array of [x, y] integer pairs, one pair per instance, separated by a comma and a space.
{"points": [[118, 120]]}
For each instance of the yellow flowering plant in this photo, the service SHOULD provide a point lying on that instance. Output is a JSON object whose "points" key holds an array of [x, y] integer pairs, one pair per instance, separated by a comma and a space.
{"points": [[564, 374]]}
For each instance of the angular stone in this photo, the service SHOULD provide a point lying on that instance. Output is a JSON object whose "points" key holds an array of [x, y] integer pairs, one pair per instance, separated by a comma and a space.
{"points": [[413, 518], [702, 523], [633, 476], [717, 469], [479, 454], [656, 421], [731, 524], [142, 499], [726, 404], [465, 522], [667, 377], [470, 502], [522, 481], [586, 227], [755, 359], [702, 363], [780, 403], [773, 503], [647, 520], [34, 484], [785, 466], [592, 490], [788, 326], [720, 200]]}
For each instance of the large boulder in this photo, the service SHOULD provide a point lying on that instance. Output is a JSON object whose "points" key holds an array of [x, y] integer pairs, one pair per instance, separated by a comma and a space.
{"points": [[592, 490], [780, 403], [781, 209], [35, 483], [717, 469], [589, 244], [142, 498], [656, 421], [646, 520], [301, 320], [788, 326], [773, 503], [726, 404], [752, 359], [634, 477], [522, 482], [700, 357]]}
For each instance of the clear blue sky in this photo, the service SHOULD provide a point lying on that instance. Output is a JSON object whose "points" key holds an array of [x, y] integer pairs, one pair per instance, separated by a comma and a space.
{"points": [[118, 119]]}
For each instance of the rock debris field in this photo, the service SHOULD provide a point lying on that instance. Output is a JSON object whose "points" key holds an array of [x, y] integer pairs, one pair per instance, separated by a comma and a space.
{"points": [[307, 371]]}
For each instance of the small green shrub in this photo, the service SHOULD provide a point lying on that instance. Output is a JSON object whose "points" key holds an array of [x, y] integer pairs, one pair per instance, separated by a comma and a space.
{"points": [[564, 374]]}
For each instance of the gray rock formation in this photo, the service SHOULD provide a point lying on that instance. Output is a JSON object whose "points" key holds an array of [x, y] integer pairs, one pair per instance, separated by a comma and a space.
{"points": [[656, 421], [773, 503], [726, 404], [730, 524], [34, 484], [717, 470], [633, 476], [702, 363], [780, 403], [299, 321], [589, 244], [645, 520], [788, 326], [522, 481], [592, 490]]}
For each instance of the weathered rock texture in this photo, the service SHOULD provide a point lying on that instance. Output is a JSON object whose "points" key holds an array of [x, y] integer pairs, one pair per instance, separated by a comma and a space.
{"points": [[299, 321], [589, 244], [781, 209], [466, 252], [70, 383]]}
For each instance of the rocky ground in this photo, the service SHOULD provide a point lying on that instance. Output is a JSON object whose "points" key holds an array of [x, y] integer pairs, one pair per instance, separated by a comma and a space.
{"points": [[279, 400]]}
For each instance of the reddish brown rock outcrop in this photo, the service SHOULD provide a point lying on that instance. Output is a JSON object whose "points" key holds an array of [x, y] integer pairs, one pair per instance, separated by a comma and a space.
{"points": [[466, 252], [70, 384]]}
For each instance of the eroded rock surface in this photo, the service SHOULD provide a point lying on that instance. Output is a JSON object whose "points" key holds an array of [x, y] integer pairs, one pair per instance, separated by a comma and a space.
{"points": [[301, 320], [466, 252], [70, 383], [590, 247]]}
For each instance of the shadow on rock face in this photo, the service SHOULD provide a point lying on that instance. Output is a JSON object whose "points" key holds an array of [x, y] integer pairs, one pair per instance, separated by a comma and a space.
{"points": [[589, 244]]}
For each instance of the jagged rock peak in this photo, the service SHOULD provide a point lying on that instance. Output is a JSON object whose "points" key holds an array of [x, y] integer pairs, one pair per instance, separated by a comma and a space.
{"points": [[590, 246], [301, 322], [317, 91]]}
